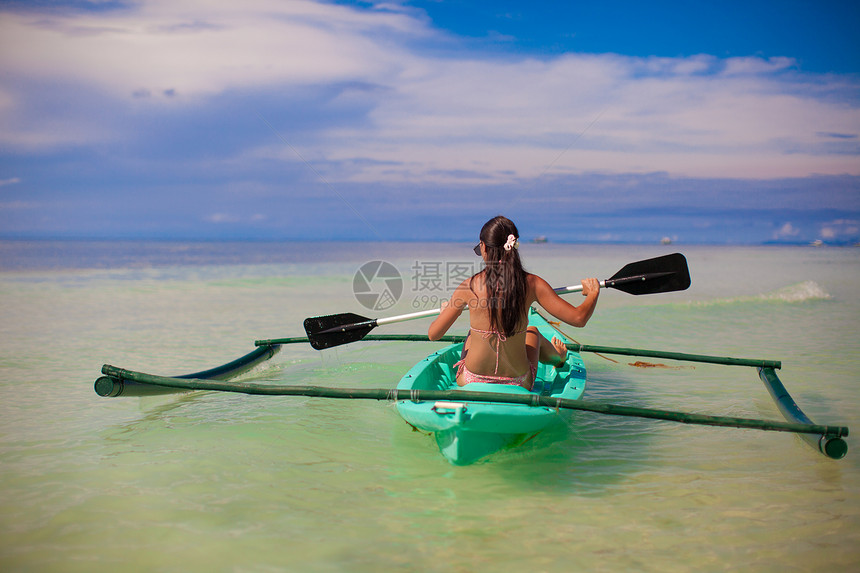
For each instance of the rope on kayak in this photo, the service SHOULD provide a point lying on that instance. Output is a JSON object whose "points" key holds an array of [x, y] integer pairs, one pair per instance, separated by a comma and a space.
{"points": [[394, 395], [638, 364], [556, 325]]}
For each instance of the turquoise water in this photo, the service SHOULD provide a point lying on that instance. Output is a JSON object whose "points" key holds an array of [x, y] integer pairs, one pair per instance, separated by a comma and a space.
{"points": [[224, 482]]}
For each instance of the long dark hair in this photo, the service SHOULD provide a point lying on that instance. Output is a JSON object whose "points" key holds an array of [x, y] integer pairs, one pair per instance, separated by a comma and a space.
{"points": [[504, 276]]}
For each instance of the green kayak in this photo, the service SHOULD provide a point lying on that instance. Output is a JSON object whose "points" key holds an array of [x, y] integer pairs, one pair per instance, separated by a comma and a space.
{"points": [[469, 431]]}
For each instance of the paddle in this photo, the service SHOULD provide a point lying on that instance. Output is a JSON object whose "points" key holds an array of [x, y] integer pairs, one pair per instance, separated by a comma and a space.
{"points": [[661, 274], [668, 273]]}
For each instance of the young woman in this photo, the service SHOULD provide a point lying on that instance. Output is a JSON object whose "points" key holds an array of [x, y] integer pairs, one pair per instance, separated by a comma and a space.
{"points": [[502, 348]]}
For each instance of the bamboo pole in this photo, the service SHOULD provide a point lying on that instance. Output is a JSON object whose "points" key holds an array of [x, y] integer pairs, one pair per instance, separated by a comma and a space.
{"points": [[829, 445], [455, 395], [723, 360], [726, 361], [109, 386]]}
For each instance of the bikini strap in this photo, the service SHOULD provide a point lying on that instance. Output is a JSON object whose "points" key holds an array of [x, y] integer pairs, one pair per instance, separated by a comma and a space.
{"points": [[499, 339]]}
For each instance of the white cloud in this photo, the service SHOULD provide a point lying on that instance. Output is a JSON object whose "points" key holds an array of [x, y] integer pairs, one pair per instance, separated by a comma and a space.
{"points": [[756, 66], [219, 218], [517, 116], [18, 205], [840, 229], [439, 119], [786, 231], [199, 48]]}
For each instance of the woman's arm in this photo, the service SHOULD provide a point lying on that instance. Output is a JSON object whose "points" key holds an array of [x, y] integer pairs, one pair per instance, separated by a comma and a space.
{"points": [[451, 311], [558, 307]]}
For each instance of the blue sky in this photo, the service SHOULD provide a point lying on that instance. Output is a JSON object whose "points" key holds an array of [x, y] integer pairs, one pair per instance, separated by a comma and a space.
{"points": [[618, 121]]}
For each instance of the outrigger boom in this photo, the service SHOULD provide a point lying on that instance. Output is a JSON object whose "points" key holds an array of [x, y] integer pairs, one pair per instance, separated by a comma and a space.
{"points": [[186, 384]]}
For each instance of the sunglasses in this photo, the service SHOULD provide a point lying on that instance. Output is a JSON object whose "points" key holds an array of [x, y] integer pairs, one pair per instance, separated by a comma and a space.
{"points": [[477, 249]]}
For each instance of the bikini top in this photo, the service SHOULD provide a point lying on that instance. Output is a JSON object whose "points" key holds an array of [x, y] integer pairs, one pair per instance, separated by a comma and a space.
{"points": [[485, 334]]}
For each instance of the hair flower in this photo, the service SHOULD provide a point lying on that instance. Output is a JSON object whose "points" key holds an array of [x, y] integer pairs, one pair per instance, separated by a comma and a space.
{"points": [[511, 243]]}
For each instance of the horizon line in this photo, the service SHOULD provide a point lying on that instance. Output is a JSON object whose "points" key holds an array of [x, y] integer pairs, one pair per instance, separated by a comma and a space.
{"points": [[166, 239]]}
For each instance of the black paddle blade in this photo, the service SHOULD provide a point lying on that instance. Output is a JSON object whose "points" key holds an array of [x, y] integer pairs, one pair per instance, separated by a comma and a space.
{"points": [[336, 329], [668, 273]]}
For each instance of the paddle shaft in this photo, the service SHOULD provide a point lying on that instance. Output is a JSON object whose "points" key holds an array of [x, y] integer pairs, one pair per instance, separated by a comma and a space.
{"points": [[667, 273], [372, 323], [611, 283]]}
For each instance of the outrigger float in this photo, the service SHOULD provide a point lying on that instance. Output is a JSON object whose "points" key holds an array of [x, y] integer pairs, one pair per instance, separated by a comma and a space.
{"points": [[476, 420]]}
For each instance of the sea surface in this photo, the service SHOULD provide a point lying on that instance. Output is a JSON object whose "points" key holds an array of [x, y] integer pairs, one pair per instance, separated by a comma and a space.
{"points": [[212, 482]]}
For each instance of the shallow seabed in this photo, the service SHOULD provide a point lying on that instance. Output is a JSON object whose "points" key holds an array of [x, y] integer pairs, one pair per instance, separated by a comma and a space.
{"points": [[227, 482]]}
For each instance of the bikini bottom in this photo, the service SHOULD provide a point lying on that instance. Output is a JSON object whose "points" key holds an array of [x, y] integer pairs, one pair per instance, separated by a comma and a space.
{"points": [[521, 380]]}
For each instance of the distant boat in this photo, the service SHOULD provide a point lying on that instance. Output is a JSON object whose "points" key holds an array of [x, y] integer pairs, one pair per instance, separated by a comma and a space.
{"points": [[665, 241], [817, 243], [540, 239]]}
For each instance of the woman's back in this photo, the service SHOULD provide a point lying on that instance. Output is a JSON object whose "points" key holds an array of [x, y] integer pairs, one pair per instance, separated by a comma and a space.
{"points": [[492, 352]]}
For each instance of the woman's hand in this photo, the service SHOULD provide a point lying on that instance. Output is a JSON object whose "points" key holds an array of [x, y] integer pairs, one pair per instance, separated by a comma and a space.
{"points": [[590, 286]]}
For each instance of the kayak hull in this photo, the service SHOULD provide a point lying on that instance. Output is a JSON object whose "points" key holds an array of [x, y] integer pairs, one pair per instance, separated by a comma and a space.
{"points": [[468, 431]]}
